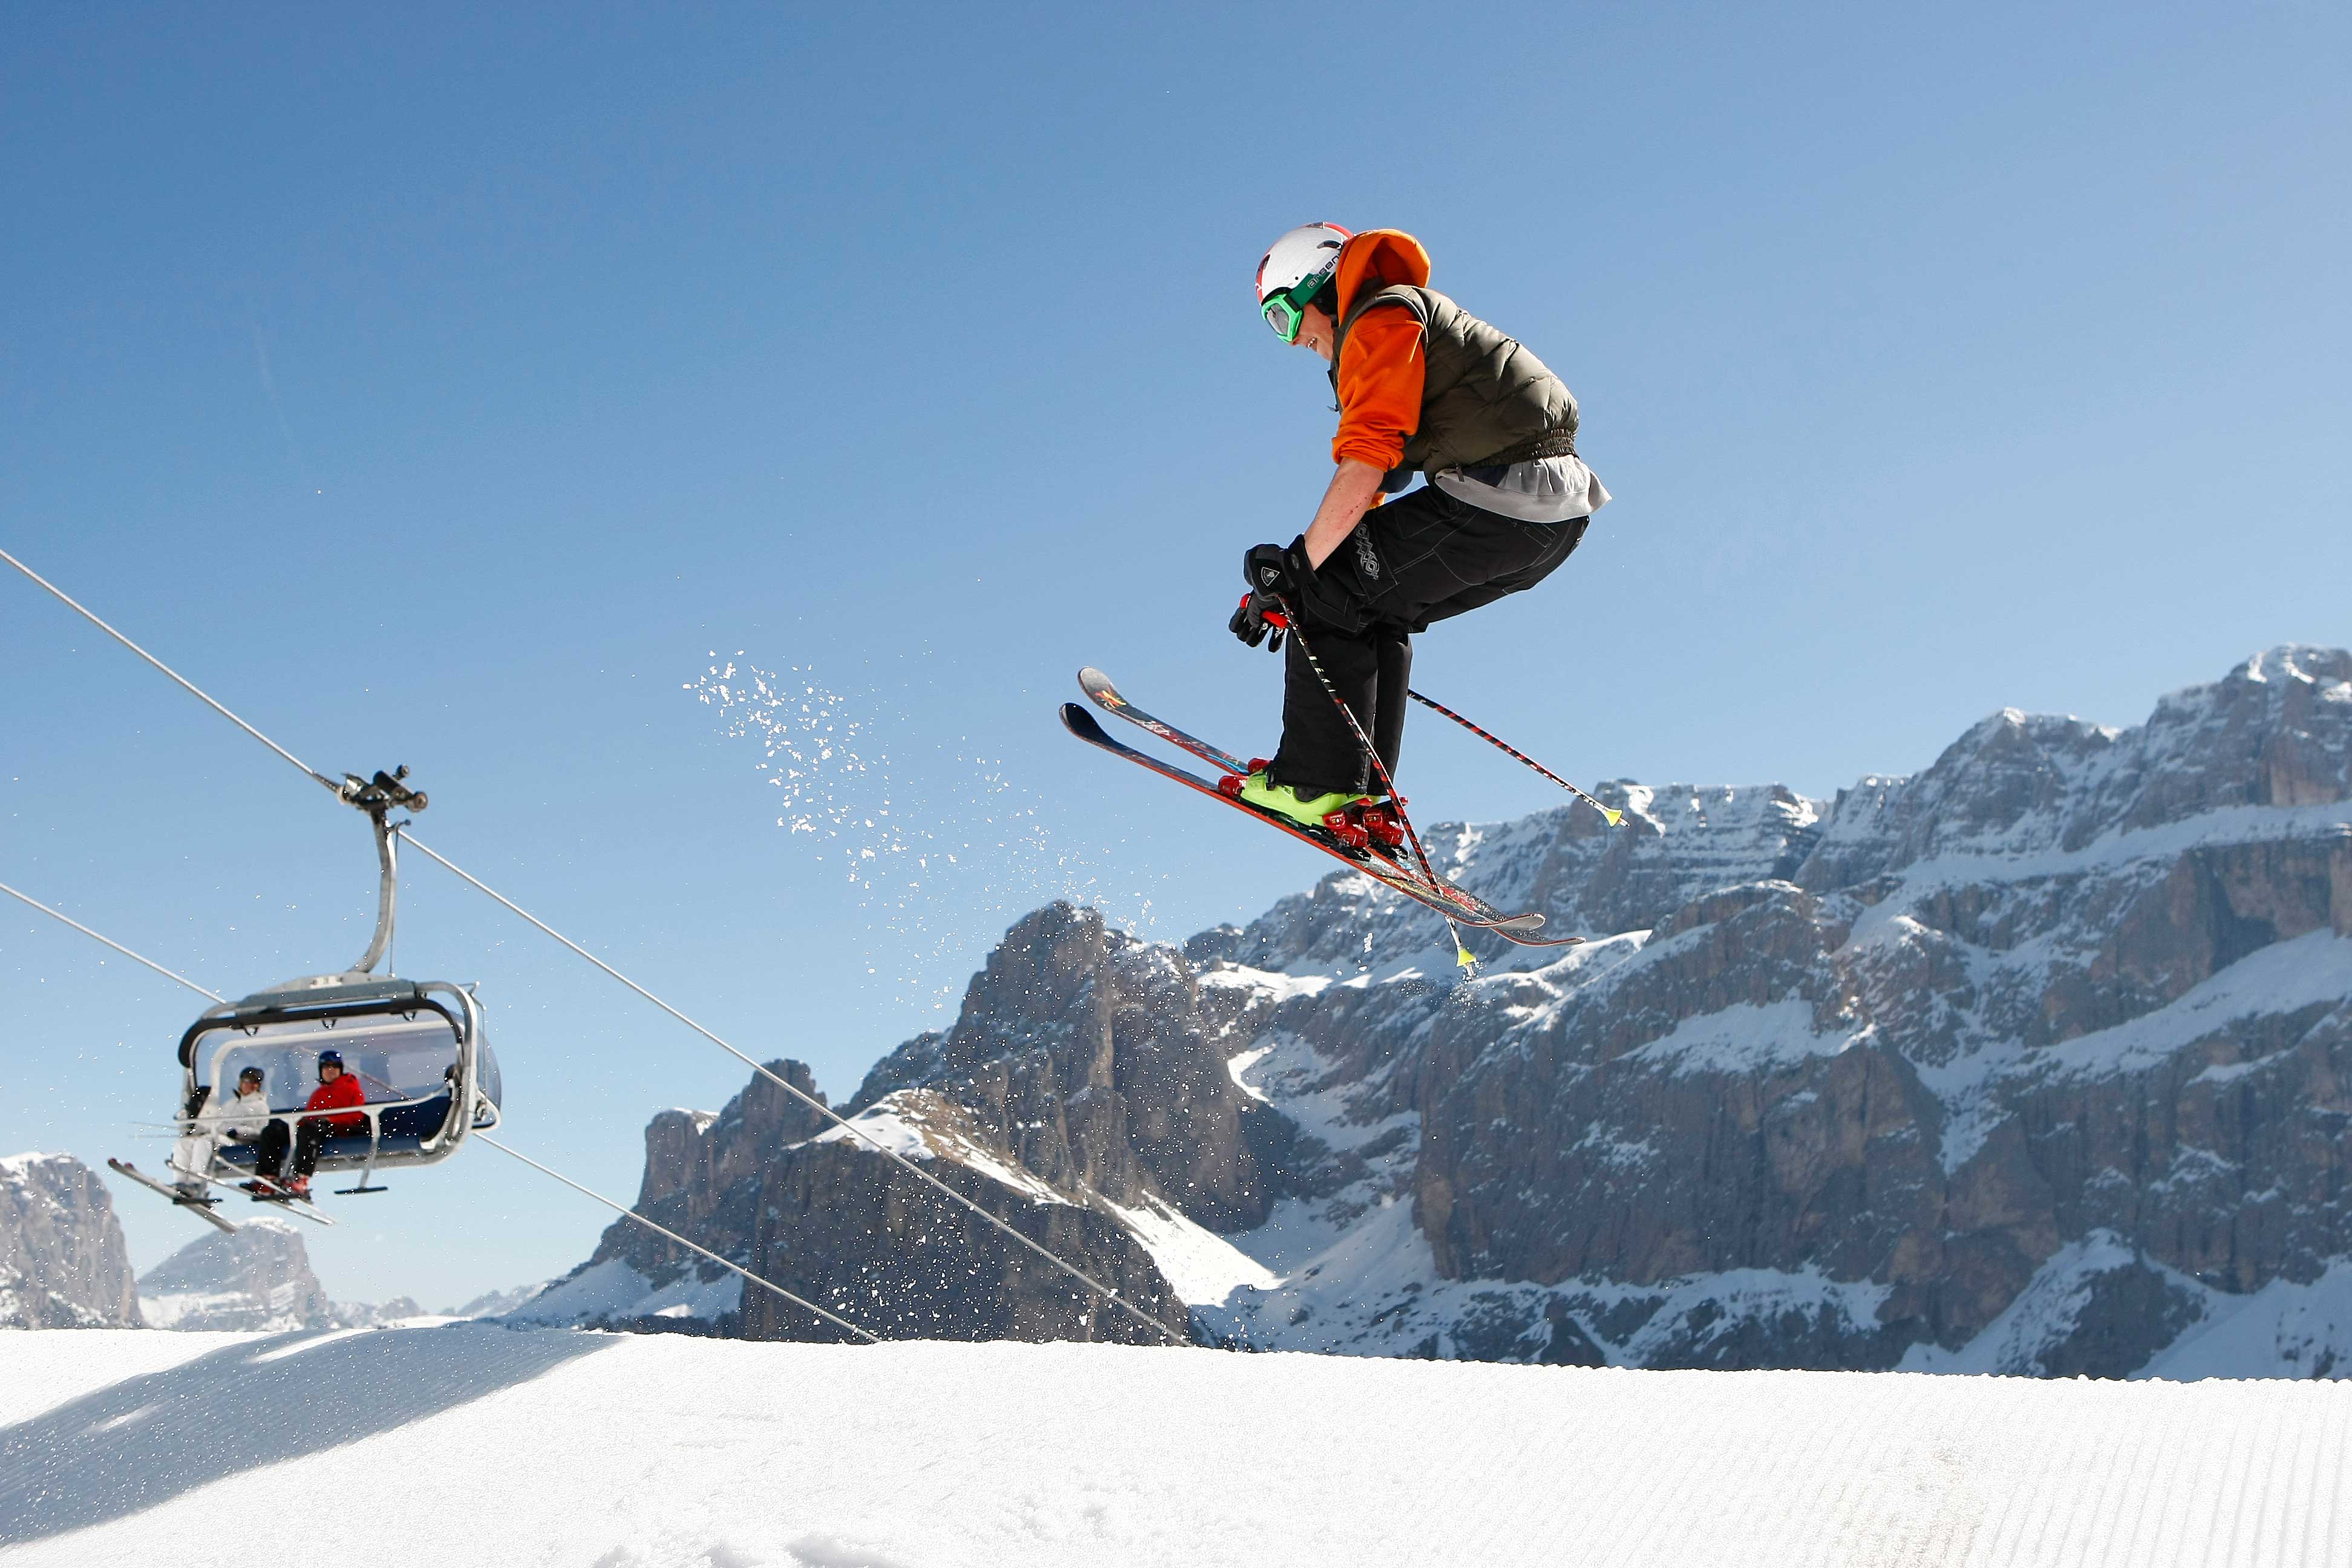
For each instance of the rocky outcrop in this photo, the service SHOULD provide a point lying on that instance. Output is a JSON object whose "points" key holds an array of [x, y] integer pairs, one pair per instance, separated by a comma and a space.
{"points": [[63, 1263], [852, 1232], [1079, 1084], [1086, 1055], [257, 1280], [703, 1174], [2038, 1061], [2070, 981], [1081, 1081]]}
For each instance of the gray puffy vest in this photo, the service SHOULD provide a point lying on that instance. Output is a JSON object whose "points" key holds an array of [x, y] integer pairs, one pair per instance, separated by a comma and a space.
{"points": [[1485, 398]]}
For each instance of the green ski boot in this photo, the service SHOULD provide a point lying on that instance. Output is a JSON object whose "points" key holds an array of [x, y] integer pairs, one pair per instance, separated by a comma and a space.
{"points": [[1310, 811]]}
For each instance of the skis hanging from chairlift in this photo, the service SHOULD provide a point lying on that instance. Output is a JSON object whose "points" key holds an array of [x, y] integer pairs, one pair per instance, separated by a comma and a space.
{"points": [[202, 1207]]}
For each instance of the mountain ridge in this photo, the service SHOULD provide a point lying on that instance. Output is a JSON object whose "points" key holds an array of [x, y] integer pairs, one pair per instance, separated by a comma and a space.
{"points": [[1831, 1084]]}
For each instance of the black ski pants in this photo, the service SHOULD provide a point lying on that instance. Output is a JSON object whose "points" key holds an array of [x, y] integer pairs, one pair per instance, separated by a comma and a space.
{"points": [[1423, 557], [270, 1149]]}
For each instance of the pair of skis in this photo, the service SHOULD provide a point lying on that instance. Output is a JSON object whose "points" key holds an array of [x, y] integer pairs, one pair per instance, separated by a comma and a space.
{"points": [[1421, 886], [202, 1207]]}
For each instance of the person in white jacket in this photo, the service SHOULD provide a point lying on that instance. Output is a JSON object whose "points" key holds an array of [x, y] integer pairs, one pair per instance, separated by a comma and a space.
{"points": [[241, 1117]]}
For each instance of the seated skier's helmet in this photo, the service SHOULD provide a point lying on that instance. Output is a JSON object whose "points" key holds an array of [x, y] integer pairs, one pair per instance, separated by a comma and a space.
{"points": [[1294, 271]]}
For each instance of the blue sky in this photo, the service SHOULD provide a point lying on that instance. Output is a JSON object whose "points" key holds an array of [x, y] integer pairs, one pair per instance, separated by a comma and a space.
{"points": [[459, 390]]}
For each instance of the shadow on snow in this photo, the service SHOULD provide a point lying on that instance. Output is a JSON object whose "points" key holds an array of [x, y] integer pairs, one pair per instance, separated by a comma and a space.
{"points": [[146, 1440]]}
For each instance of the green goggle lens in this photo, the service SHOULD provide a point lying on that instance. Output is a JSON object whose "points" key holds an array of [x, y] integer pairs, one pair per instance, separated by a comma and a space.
{"points": [[1285, 310]]}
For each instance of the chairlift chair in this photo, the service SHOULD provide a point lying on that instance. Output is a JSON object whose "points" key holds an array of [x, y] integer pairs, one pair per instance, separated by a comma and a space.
{"points": [[419, 1048]]}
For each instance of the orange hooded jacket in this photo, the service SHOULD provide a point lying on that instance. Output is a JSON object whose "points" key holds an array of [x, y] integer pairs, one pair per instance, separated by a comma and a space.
{"points": [[1380, 367]]}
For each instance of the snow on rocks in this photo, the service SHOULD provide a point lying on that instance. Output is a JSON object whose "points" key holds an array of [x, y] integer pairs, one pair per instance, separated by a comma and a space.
{"points": [[915, 1125], [1907, 1045], [611, 1291]]}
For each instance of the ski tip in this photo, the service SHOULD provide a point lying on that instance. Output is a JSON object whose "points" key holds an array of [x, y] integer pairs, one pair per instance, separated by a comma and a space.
{"points": [[1097, 685], [1521, 924], [1081, 723]]}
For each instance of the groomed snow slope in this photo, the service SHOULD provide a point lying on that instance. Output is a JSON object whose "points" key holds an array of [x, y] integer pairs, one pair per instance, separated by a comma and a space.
{"points": [[470, 1443]]}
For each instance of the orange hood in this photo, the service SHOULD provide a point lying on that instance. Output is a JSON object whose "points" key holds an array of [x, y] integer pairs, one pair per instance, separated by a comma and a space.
{"points": [[1375, 258]]}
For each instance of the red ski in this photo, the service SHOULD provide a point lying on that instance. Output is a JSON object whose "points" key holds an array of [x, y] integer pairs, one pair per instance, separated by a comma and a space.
{"points": [[1467, 907]]}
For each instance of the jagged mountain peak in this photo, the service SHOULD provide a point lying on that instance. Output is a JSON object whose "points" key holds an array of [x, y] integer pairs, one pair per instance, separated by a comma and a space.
{"points": [[63, 1261], [2312, 664]]}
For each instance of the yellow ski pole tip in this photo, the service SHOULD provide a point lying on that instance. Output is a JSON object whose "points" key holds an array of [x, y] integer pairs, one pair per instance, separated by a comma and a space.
{"points": [[1614, 817], [1462, 956]]}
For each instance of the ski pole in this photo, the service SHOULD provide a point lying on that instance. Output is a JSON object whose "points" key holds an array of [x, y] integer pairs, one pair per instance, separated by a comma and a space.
{"points": [[1613, 815], [1462, 953]]}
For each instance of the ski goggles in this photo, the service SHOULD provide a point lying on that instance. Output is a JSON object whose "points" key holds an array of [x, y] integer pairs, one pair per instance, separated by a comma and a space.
{"points": [[1285, 309]]}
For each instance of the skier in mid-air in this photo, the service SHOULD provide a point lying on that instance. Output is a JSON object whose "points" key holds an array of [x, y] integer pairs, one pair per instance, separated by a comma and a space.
{"points": [[1424, 387]]}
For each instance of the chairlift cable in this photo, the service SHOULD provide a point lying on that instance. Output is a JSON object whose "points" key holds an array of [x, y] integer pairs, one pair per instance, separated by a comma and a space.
{"points": [[817, 1105], [834, 1318], [829, 1317], [68, 919], [502, 1148], [87, 614]]}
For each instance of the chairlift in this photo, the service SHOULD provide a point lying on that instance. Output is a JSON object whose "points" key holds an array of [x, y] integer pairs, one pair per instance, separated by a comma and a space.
{"points": [[418, 1049]]}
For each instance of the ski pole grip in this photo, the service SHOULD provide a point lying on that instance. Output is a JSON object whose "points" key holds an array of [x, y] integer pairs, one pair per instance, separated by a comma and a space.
{"points": [[1271, 617]]}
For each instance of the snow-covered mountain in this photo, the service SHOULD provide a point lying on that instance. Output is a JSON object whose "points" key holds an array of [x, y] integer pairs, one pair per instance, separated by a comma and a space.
{"points": [[64, 1265], [63, 1261], [2036, 1062], [497, 1303], [258, 1279]]}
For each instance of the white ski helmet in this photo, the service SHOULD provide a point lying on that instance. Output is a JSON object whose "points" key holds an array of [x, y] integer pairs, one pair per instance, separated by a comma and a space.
{"points": [[1294, 271]]}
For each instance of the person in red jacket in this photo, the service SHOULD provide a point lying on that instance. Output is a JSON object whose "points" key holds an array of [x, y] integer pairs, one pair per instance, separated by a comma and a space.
{"points": [[337, 1089]]}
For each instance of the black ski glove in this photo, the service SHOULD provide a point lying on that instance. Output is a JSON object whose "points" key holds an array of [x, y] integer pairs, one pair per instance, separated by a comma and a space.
{"points": [[1275, 575]]}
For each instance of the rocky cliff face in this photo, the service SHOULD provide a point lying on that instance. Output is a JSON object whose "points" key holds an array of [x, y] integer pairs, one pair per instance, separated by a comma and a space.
{"points": [[1843, 1084], [63, 1264], [257, 1280], [702, 1180], [1028, 1082], [2034, 1061]]}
